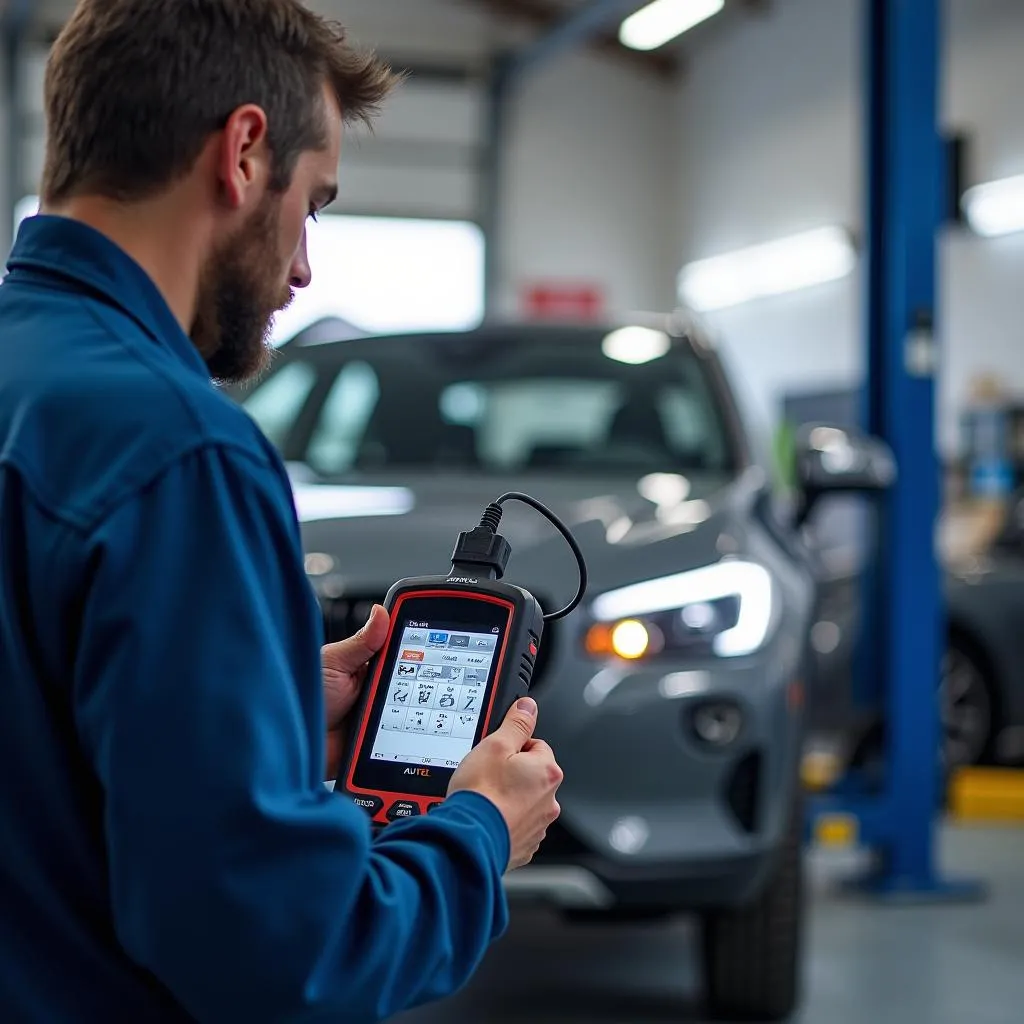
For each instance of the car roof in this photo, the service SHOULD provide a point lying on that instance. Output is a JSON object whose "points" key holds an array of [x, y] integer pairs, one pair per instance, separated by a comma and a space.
{"points": [[329, 339]]}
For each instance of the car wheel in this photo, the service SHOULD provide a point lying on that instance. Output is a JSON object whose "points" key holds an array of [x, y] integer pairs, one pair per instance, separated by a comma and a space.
{"points": [[966, 707], [752, 955]]}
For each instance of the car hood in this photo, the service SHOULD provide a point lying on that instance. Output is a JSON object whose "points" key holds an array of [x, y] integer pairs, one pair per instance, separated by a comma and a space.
{"points": [[361, 537]]}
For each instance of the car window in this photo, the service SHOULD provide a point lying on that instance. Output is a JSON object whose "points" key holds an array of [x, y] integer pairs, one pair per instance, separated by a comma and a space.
{"points": [[689, 423], [519, 419], [342, 423], [463, 404], [276, 404]]}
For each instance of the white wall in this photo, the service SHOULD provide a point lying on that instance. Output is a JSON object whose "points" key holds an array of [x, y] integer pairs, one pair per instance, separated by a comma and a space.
{"points": [[591, 183], [590, 179], [771, 142], [984, 278]]}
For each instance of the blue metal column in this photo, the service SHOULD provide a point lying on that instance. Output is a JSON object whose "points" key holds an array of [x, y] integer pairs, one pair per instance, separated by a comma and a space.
{"points": [[905, 634], [905, 207]]}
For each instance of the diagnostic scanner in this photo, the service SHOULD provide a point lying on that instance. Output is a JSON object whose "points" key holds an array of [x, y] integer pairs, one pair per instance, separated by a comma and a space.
{"points": [[461, 650]]}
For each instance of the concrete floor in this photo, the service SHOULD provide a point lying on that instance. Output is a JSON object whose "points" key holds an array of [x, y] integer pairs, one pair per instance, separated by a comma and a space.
{"points": [[868, 964]]}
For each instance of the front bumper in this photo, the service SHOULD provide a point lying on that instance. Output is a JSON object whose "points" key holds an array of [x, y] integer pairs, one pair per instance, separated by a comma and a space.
{"points": [[592, 883], [654, 816]]}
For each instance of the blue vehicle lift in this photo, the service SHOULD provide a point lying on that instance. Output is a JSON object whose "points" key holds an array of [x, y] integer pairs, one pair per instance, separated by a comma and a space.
{"points": [[904, 632]]}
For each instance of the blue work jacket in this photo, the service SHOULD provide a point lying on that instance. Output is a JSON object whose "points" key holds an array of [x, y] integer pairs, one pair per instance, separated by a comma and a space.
{"points": [[168, 850]]}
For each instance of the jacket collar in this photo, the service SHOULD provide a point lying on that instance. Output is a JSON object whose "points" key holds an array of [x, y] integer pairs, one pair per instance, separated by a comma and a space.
{"points": [[68, 249]]}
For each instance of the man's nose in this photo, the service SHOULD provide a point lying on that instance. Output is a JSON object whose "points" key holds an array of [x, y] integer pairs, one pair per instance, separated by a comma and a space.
{"points": [[301, 275]]}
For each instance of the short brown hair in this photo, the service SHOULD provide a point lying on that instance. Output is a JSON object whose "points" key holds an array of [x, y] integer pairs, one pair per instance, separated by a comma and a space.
{"points": [[134, 88]]}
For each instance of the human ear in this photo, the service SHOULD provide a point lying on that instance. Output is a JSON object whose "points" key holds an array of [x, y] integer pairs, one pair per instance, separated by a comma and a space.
{"points": [[244, 155]]}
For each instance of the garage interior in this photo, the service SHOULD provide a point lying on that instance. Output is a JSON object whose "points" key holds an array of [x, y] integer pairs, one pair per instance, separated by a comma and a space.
{"points": [[831, 192]]}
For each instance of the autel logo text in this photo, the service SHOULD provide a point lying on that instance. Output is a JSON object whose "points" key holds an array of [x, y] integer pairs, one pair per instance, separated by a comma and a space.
{"points": [[417, 771]]}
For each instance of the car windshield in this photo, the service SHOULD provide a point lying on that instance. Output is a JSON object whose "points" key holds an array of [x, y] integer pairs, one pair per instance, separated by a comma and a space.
{"points": [[536, 401]]}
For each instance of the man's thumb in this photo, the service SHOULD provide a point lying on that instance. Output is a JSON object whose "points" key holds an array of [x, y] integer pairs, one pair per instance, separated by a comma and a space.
{"points": [[520, 722]]}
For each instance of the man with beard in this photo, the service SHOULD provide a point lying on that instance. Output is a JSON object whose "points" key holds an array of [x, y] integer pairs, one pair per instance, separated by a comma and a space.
{"points": [[167, 713]]}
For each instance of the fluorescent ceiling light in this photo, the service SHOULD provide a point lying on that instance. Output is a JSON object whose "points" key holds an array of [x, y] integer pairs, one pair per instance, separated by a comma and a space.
{"points": [[636, 345], [996, 208], [787, 265], [663, 20]]}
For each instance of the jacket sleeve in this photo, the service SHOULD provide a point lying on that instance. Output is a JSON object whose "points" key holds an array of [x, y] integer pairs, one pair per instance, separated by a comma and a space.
{"points": [[237, 878]]}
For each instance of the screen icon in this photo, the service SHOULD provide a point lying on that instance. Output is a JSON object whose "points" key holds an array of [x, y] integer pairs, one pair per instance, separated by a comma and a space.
{"points": [[437, 638], [412, 655]]}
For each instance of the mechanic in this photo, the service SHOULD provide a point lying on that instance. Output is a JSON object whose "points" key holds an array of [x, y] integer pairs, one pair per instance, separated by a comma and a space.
{"points": [[168, 715]]}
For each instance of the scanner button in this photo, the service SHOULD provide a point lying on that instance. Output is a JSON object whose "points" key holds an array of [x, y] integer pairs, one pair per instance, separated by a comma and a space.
{"points": [[402, 809], [370, 804], [533, 649]]}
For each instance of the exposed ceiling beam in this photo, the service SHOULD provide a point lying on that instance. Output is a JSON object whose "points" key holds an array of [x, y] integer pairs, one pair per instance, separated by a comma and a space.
{"points": [[548, 16]]}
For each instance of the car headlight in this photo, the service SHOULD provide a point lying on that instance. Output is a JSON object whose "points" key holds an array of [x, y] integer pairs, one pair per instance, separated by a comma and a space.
{"points": [[725, 609]]}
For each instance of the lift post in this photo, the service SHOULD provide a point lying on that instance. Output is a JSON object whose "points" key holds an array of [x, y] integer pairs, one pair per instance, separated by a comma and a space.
{"points": [[904, 634]]}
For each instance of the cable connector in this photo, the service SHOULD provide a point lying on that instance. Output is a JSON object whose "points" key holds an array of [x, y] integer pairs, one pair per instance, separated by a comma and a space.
{"points": [[483, 547]]}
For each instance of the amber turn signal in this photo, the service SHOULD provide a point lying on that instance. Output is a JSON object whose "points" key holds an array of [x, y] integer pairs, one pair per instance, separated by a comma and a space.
{"points": [[628, 639]]}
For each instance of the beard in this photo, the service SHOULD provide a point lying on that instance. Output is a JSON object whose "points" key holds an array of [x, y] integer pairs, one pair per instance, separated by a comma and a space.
{"points": [[239, 293]]}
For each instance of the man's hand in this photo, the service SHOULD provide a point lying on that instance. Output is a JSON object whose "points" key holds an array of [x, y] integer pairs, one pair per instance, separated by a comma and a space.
{"points": [[519, 775], [344, 673]]}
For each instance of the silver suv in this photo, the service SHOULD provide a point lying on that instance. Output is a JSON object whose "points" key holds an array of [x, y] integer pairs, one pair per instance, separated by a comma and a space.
{"points": [[674, 697]]}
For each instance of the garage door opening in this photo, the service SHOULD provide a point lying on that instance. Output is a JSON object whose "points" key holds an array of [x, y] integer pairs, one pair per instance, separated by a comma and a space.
{"points": [[381, 274]]}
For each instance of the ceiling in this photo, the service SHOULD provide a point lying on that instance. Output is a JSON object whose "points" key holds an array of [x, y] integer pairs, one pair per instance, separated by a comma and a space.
{"points": [[544, 15], [492, 22]]}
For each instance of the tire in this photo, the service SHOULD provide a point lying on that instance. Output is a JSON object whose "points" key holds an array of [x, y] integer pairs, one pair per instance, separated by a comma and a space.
{"points": [[967, 706], [753, 955]]}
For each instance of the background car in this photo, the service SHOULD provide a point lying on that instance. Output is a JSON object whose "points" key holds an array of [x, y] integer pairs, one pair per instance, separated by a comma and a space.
{"points": [[980, 688], [674, 695]]}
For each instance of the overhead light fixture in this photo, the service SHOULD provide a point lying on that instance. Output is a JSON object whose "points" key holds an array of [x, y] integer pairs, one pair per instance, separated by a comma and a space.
{"points": [[774, 268], [636, 345], [995, 208], [662, 21]]}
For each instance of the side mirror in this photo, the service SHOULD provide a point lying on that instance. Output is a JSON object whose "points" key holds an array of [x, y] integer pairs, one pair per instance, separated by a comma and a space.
{"points": [[835, 460]]}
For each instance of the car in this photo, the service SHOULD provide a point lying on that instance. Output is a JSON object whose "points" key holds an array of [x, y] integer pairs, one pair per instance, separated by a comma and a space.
{"points": [[980, 686], [674, 695]]}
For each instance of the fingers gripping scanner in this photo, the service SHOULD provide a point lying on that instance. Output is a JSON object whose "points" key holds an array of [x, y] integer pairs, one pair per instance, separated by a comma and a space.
{"points": [[461, 650]]}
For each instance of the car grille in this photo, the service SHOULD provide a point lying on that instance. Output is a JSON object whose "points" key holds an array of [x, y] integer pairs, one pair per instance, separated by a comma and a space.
{"points": [[560, 845], [345, 616]]}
